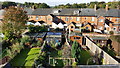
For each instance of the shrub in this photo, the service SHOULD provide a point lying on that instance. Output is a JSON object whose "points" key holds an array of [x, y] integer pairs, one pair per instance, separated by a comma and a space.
{"points": [[111, 32], [115, 38], [39, 43], [25, 40]]}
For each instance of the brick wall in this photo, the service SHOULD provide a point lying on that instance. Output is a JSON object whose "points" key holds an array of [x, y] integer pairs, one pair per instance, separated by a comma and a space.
{"points": [[107, 59]]}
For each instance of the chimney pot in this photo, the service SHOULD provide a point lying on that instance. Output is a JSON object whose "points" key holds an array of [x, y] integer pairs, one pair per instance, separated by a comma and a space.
{"points": [[107, 8], [95, 7]]}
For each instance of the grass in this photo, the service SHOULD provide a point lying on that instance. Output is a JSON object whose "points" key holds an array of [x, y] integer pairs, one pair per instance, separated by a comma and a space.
{"points": [[85, 55], [34, 51], [32, 55], [29, 63], [20, 58]]}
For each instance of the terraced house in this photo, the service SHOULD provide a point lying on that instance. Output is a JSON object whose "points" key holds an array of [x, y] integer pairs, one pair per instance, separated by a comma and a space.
{"points": [[98, 20], [103, 20]]}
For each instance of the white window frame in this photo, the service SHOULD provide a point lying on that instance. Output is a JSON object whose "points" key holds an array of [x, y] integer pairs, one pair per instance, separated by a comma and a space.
{"points": [[93, 19], [101, 20], [50, 19], [37, 17], [66, 18], [40, 17], [117, 19], [77, 18]]}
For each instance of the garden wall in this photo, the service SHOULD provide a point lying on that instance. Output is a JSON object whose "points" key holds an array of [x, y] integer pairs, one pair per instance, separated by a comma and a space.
{"points": [[107, 59]]}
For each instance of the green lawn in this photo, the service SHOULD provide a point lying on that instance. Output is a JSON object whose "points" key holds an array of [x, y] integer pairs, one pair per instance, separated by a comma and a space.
{"points": [[32, 55], [19, 60], [85, 55], [34, 51], [29, 63]]}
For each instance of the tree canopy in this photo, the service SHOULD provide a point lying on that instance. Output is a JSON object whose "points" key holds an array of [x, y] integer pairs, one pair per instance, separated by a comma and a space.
{"points": [[6, 4], [13, 22], [101, 4]]}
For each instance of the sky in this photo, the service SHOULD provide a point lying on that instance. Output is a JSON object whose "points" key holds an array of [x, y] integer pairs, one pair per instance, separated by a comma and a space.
{"points": [[57, 2]]}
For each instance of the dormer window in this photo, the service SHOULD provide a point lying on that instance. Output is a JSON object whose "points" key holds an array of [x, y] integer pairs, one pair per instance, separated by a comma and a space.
{"points": [[56, 11], [77, 12]]}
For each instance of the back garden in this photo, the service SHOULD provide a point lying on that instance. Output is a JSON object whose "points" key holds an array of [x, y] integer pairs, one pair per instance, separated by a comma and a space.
{"points": [[51, 55]]}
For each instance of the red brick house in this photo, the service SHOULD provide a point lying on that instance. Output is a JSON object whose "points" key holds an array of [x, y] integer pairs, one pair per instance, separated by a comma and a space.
{"points": [[103, 19]]}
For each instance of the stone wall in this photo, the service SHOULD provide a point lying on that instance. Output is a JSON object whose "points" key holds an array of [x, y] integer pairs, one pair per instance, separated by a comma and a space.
{"points": [[107, 59]]}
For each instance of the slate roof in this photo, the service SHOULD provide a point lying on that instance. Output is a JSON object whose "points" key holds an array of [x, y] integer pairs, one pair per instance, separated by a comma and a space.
{"points": [[113, 13], [109, 13], [68, 11], [28, 10], [101, 12], [41, 11], [87, 12]]}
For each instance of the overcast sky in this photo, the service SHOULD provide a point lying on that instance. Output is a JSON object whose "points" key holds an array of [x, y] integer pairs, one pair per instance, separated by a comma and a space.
{"points": [[57, 2]]}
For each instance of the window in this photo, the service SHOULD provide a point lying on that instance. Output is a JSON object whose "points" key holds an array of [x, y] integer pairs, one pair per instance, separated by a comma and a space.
{"points": [[86, 28], [92, 19], [71, 18], [101, 20], [110, 19], [36, 17], [76, 37], [40, 16], [117, 19], [114, 28], [71, 26], [77, 19], [66, 19], [49, 19]]}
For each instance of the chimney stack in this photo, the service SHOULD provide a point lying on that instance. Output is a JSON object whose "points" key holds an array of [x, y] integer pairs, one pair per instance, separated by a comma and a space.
{"points": [[106, 8], [95, 7]]}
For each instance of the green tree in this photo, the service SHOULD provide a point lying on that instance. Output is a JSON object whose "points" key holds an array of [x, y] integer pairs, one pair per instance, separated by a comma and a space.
{"points": [[6, 4], [43, 5], [73, 51], [76, 51], [13, 22], [75, 5]]}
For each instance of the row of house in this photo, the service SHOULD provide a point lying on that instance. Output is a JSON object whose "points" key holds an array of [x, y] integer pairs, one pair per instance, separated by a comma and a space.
{"points": [[97, 20], [101, 20]]}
